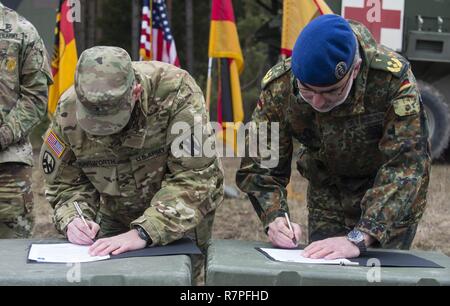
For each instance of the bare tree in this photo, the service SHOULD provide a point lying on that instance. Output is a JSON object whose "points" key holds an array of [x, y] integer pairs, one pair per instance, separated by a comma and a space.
{"points": [[135, 21], [189, 36]]}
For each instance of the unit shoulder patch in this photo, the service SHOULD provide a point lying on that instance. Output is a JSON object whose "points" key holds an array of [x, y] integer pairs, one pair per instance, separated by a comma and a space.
{"points": [[406, 106]]}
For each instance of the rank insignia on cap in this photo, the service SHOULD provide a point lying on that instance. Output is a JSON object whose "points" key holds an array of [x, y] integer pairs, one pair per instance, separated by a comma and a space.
{"points": [[55, 144], [341, 70]]}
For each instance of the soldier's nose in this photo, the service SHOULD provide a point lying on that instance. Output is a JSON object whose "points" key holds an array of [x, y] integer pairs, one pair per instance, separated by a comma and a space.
{"points": [[318, 101]]}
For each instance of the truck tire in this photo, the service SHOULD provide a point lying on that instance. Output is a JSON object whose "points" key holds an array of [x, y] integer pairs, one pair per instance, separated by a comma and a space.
{"points": [[438, 114]]}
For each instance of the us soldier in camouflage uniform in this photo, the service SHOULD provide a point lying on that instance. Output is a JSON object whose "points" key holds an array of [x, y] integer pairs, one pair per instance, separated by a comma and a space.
{"points": [[24, 80], [367, 160], [109, 149]]}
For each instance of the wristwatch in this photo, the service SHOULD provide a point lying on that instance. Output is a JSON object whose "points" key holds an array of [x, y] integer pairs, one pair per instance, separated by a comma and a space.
{"points": [[143, 235], [357, 238]]}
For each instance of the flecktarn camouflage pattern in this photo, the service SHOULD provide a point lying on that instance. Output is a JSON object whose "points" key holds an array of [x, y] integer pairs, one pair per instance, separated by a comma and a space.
{"points": [[367, 160]]}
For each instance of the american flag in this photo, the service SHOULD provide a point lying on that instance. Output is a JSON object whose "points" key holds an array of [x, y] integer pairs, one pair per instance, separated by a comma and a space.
{"points": [[55, 144], [146, 39], [157, 42]]}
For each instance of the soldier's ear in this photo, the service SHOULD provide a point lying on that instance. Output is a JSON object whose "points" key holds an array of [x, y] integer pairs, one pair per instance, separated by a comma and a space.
{"points": [[357, 67], [137, 91]]}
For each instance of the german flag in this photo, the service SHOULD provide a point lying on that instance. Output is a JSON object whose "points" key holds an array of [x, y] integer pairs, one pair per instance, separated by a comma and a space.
{"points": [[224, 45], [296, 15], [64, 59]]}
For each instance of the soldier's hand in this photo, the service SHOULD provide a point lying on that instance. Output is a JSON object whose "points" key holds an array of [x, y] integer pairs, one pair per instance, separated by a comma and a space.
{"points": [[116, 245], [332, 248], [78, 233], [281, 236]]}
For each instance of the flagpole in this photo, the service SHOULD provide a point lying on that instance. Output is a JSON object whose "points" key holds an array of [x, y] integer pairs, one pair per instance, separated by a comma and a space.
{"points": [[208, 84]]}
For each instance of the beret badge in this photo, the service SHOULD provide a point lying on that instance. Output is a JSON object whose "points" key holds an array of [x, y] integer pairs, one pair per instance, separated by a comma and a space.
{"points": [[341, 70]]}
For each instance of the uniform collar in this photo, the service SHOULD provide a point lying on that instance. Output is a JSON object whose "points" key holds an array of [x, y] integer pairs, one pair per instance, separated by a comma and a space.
{"points": [[355, 101], [134, 136], [367, 49], [148, 99]]}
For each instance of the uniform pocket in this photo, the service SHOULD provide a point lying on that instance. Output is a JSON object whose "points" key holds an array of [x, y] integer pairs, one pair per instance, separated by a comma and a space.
{"points": [[104, 179], [9, 54], [311, 169], [149, 170], [11, 207]]}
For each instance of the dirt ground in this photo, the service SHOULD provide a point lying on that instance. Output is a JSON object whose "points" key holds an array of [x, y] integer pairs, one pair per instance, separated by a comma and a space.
{"points": [[236, 218]]}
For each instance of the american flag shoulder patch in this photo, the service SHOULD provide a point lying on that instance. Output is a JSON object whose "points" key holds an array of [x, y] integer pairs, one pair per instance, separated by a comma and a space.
{"points": [[57, 146]]}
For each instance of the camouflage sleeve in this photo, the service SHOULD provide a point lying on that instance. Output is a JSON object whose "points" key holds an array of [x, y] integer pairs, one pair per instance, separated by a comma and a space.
{"points": [[266, 186], [398, 196], [192, 186], [35, 77], [64, 181]]}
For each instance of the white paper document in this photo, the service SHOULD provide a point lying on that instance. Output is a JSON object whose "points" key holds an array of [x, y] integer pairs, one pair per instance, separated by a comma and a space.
{"points": [[295, 255], [62, 253]]}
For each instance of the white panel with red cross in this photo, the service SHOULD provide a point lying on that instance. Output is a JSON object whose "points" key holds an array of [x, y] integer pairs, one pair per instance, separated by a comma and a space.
{"points": [[384, 18]]}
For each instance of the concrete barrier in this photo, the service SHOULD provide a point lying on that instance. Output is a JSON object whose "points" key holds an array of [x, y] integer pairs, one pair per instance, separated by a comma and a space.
{"points": [[157, 270], [237, 263]]}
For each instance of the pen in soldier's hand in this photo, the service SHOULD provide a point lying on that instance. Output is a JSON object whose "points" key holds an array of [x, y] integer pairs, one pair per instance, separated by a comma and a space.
{"points": [[80, 213], [290, 228]]}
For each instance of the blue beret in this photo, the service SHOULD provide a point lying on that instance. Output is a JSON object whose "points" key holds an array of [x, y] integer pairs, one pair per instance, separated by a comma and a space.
{"points": [[324, 51]]}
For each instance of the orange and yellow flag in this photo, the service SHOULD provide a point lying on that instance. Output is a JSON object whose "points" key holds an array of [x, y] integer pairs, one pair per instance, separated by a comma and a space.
{"points": [[296, 15], [64, 59]]}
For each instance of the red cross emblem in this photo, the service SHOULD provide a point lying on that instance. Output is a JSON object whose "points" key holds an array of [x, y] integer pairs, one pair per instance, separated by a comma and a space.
{"points": [[374, 17]]}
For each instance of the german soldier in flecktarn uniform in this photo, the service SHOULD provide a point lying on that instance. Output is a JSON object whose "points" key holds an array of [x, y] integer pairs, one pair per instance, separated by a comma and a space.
{"points": [[356, 111]]}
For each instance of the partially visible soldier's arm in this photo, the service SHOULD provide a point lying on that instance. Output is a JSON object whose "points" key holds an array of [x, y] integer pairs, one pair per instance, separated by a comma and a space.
{"points": [[64, 181], [266, 187], [193, 186], [35, 77], [398, 196]]}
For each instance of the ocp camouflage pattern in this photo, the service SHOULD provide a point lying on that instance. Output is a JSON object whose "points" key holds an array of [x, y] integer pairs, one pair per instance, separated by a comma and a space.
{"points": [[24, 80], [132, 177]]}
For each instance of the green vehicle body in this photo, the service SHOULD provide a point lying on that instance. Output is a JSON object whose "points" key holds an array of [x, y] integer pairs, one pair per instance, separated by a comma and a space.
{"points": [[426, 44]]}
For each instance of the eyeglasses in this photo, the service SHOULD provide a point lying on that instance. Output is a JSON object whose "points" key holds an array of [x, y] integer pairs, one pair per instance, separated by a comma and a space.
{"points": [[308, 94]]}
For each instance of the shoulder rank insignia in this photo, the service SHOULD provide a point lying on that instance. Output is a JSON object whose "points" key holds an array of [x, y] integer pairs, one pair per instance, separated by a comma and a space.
{"points": [[276, 71], [394, 65]]}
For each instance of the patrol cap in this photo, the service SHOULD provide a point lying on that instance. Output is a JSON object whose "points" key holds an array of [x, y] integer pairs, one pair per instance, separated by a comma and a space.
{"points": [[104, 81], [324, 51]]}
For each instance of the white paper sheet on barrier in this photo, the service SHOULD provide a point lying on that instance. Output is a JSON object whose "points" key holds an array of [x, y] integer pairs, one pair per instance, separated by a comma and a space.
{"points": [[295, 255], [62, 253]]}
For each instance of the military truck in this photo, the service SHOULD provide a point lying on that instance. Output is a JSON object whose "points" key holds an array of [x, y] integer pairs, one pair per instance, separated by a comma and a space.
{"points": [[419, 30]]}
